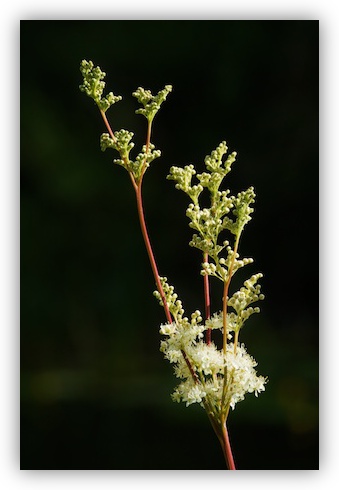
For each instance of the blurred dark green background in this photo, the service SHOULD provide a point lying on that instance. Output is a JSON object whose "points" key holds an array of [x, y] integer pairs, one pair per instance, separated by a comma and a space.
{"points": [[95, 391]]}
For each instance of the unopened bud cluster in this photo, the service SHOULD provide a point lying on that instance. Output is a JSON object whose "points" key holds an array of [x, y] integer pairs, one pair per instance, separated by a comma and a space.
{"points": [[227, 213], [93, 85], [150, 102]]}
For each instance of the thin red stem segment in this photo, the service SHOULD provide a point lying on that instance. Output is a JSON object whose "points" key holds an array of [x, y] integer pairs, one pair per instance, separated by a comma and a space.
{"points": [[228, 450], [155, 270], [108, 126], [150, 252]]}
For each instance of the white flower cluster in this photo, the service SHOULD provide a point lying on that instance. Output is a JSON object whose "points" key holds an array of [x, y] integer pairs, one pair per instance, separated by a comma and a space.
{"points": [[243, 377], [209, 365]]}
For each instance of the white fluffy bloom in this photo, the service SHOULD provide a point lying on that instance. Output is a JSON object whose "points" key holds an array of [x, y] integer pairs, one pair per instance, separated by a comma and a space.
{"points": [[168, 329], [206, 358], [216, 322], [242, 375], [209, 365], [189, 393], [179, 337]]}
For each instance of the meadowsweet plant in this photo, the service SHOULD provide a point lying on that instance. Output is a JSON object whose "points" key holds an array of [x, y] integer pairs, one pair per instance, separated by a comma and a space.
{"points": [[215, 376]]}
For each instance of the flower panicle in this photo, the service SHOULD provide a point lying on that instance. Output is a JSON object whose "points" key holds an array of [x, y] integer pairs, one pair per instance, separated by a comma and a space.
{"points": [[226, 375]]}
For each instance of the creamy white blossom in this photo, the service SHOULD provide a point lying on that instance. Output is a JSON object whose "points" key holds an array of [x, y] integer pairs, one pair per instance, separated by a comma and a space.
{"points": [[189, 393], [242, 376], [210, 366]]}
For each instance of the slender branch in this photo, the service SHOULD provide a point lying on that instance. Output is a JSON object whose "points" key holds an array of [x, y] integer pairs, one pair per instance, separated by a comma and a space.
{"points": [[224, 319], [150, 251], [111, 133], [148, 137], [148, 142], [225, 294], [216, 430], [236, 336], [108, 126], [207, 302], [155, 271], [138, 193]]}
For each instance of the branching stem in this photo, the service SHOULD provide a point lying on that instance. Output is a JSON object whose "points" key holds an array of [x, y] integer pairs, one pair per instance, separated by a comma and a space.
{"points": [[223, 434], [207, 301], [112, 135], [227, 445], [150, 251], [108, 126], [138, 192], [225, 295], [209, 223]]}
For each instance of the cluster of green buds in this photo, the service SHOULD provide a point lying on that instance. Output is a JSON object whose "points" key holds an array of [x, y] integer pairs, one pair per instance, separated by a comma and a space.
{"points": [[93, 85], [150, 102], [121, 141], [226, 213], [210, 222]]}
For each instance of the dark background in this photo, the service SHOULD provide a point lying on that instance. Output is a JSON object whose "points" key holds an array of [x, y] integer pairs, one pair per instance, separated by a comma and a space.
{"points": [[95, 390]]}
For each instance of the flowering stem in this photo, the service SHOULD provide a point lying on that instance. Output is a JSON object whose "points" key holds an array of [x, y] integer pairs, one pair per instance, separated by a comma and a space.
{"points": [[155, 271], [221, 432], [138, 192], [225, 295], [207, 302], [226, 441], [211, 370], [111, 133], [216, 429]]}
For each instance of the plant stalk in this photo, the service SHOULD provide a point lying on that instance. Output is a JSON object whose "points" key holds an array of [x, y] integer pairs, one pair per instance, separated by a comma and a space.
{"points": [[228, 450], [207, 302]]}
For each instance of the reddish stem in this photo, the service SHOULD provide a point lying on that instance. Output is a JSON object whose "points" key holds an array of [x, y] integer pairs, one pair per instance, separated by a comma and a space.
{"points": [[150, 252], [155, 270], [228, 450], [137, 187], [108, 126]]}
